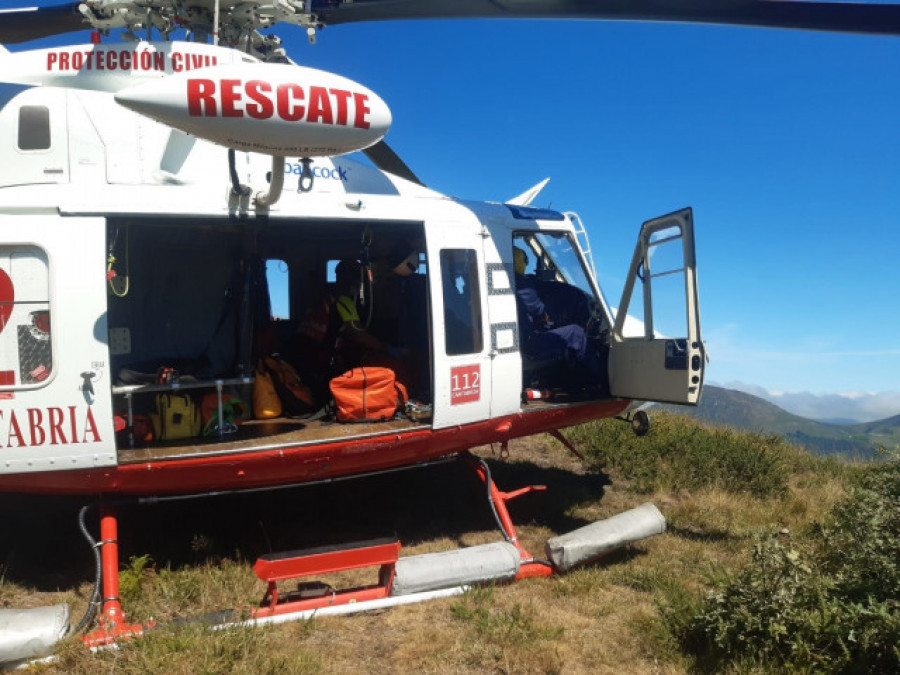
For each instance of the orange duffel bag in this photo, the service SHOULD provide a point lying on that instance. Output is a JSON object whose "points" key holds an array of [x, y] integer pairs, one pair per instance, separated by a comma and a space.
{"points": [[367, 394]]}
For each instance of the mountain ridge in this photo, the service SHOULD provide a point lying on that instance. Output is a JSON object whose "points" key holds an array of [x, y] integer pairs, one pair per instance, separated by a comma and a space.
{"points": [[732, 408]]}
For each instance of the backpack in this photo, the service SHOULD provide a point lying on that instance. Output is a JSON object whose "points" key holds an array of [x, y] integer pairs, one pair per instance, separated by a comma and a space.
{"points": [[176, 417], [296, 398], [266, 403], [367, 394]]}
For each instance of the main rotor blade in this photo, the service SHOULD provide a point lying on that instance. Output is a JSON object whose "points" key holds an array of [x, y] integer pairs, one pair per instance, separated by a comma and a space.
{"points": [[845, 17], [30, 23], [382, 156]]}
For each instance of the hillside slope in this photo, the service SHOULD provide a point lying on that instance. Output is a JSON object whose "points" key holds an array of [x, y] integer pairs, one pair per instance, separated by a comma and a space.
{"points": [[736, 409]]}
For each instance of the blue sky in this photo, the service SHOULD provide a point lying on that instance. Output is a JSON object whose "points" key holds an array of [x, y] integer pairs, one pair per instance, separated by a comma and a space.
{"points": [[785, 143]]}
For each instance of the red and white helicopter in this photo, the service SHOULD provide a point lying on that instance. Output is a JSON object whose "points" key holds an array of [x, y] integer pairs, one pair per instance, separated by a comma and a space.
{"points": [[150, 223]]}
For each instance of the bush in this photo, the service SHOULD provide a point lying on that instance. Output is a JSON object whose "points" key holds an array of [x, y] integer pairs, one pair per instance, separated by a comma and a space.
{"points": [[833, 606], [861, 541]]}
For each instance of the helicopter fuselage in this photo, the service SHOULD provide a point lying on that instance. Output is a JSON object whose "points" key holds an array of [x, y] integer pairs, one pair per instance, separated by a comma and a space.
{"points": [[129, 249]]}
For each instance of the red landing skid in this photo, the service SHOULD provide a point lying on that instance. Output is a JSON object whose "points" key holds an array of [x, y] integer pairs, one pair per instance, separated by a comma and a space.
{"points": [[383, 553], [312, 598]]}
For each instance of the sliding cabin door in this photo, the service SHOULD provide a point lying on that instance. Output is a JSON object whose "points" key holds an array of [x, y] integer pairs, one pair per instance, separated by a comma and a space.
{"points": [[461, 341], [55, 406]]}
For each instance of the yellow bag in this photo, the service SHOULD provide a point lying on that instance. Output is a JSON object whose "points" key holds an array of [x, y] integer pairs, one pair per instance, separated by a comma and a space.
{"points": [[266, 403], [176, 417], [296, 398]]}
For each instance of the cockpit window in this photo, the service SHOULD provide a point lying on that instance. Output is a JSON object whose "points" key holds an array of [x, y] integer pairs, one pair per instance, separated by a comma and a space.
{"points": [[554, 264], [552, 257]]}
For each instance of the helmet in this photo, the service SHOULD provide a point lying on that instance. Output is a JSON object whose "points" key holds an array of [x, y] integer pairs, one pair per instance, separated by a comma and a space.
{"points": [[346, 272], [520, 260]]}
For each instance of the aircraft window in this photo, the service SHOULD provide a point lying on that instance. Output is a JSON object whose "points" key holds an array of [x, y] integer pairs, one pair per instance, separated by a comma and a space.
{"points": [[278, 279], [553, 257], [462, 301], [25, 344], [667, 280], [34, 127]]}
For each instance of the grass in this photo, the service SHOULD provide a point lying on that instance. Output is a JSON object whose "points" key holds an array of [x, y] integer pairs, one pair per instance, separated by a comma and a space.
{"points": [[732, 501], [509, 638]]}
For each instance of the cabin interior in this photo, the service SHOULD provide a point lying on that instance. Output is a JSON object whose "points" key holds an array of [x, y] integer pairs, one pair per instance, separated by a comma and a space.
{"points": [[191, 303]]}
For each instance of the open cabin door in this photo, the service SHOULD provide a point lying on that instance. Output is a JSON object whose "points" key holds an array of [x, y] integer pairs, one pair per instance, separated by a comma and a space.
{"points": [[461, 343], [663, 359]]}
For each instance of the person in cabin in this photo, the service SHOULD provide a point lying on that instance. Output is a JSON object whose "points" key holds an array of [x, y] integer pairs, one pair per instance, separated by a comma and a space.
{"points": [[398, 295], [541, 340], [309, 347], [352, 344], [400, 317]]}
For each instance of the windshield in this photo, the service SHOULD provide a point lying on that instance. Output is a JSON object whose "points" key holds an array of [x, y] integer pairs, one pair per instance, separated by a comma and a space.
{"points": [[552, 257]]}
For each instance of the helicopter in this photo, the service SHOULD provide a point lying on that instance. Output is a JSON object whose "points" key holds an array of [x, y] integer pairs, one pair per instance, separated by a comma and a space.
{"points": [[162, 166]]}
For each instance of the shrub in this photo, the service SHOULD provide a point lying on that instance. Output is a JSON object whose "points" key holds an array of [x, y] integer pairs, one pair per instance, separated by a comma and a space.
{"points": [[833, 606], [861, 540]]}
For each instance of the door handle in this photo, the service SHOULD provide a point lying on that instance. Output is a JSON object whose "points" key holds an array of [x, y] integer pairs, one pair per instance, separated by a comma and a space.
{"points": [[87, 384]]}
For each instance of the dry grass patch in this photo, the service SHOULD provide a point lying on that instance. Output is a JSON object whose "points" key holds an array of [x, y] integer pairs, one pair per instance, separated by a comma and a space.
{"points": [[191, 650], [503, 633]]}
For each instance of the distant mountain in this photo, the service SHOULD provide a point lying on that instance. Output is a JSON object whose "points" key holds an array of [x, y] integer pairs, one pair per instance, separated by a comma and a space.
{"points": [[728, 407]]}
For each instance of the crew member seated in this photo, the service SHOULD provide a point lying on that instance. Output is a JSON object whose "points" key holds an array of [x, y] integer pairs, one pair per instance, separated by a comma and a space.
{"points": [[309, 348], [352, 343], [543, 342], [400, 313]]}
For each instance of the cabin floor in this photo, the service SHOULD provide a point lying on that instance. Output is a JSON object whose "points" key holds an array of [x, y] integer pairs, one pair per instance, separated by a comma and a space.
{"points": [[262, 435], [278, 433]]}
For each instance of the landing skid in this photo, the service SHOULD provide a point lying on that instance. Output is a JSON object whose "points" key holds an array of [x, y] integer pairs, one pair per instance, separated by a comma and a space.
{"points": [[400, 580]]}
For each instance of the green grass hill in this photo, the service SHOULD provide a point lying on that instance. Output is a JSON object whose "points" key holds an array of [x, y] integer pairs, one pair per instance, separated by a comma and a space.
{"points": [[736, 409]]}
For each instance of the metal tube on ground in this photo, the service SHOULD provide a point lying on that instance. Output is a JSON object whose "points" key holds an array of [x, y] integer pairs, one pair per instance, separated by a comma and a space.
{"points": [[498, 561], [592, 541], [28, 633], [350, 608]]}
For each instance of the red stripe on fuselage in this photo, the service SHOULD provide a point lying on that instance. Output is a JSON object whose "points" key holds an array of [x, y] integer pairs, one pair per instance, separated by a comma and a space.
{"points": [[306, 463]]}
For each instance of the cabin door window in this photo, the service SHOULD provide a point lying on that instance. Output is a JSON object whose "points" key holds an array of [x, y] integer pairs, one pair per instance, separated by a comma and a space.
{"points": [[25, 344], [462, 302]]}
